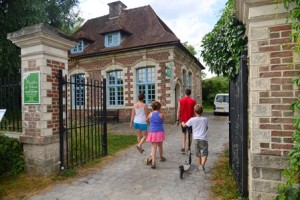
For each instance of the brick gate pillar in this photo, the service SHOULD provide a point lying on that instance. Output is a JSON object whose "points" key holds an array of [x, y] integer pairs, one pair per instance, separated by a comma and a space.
{"points": [[44, 51]]}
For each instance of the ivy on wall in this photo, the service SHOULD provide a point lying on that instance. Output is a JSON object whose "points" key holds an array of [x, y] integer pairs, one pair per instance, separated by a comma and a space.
{"points": [[222, 46], [290, 188]]}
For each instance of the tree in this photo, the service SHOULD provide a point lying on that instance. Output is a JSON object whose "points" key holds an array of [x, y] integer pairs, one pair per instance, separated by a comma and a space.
{"points": [[15, 14], [222, 46], [193, 51], [190, 48], [213, 86]]}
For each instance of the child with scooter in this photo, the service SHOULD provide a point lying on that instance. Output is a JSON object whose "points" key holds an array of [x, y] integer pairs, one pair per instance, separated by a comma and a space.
{"points": [[199, 125]]}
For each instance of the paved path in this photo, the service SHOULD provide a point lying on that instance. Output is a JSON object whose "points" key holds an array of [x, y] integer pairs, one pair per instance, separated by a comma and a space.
{"points": [[128, 178]]}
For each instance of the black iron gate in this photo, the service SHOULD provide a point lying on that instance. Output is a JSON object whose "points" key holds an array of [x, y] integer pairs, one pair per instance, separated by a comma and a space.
{"points": [[238, 128], [82, 121], [10, 100]]}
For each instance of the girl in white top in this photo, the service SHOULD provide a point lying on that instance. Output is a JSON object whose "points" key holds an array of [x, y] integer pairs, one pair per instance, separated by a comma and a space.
{"points": [[138, 121]]}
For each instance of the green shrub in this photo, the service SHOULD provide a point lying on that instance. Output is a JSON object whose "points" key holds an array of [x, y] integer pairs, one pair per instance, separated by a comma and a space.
{"points": [[11, 156]]}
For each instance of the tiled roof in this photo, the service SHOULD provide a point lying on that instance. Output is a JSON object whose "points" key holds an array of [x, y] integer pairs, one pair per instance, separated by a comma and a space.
{"points": [[143, 27]]}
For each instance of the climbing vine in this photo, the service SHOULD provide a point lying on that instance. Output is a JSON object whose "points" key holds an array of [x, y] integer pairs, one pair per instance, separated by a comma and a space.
{"points": [[290, 188], [222, 46]]}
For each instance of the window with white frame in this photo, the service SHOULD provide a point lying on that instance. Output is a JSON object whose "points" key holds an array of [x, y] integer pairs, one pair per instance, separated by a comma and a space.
{"points": [[78, 48], [115, 88], [183, 82], [112, 39], [78, 90], [146, 83], [190, 80]]}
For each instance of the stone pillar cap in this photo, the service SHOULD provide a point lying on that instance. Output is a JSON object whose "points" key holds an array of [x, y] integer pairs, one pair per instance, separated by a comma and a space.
{"points": [[40, 31]]}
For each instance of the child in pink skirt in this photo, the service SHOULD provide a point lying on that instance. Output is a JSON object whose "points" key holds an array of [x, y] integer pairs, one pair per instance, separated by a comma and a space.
{"points": [[156, 133]]}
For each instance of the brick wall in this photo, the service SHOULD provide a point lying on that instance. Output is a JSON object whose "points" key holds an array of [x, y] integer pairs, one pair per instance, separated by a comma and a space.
{"points": [[272, 67], [128, 62], [279, 73]]}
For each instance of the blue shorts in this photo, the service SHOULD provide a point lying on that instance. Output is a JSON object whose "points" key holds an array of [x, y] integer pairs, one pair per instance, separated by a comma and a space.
{"points": [[142, 127]]}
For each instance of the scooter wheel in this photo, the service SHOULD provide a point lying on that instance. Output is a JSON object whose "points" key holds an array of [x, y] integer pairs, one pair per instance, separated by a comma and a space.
{"points": [[181, 170]]}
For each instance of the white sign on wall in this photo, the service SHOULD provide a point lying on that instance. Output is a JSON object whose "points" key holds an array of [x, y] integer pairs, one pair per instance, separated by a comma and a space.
{"points": [[2, 112]]}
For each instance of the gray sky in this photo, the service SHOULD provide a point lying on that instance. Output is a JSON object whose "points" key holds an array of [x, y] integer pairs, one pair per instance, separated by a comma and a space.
{"points": [[190, 20]]}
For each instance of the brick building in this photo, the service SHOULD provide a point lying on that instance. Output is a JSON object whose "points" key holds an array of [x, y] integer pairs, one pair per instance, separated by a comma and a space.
{"points": [[137, 53], [272, 66]]}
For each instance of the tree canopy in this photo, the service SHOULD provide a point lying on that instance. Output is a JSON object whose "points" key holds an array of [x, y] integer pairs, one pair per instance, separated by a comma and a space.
{"points": [[213, 86], [15, 14], [190, 48], [222, 47]]}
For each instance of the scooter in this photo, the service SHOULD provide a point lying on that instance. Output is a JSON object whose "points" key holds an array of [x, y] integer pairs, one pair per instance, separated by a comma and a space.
{"points": [[186, 166]]}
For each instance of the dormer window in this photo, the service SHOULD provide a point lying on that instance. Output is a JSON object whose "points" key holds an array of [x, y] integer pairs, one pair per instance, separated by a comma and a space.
{"points": [[112, 39], [78, 48]]}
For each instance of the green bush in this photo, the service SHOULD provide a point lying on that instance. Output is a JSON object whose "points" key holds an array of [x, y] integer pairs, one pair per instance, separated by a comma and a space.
{"points": [[11, 156], [213, 86]]}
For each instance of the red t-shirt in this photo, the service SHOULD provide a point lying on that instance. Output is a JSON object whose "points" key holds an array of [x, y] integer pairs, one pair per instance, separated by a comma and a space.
{"points": [[187, 105]]}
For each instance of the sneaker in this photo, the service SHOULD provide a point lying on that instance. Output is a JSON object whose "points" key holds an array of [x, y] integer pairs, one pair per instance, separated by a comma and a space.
{"points": [[139, 149], [148, 161], [162, 159], [200, 168], [182, 150], [203, 168], [153, 166]]}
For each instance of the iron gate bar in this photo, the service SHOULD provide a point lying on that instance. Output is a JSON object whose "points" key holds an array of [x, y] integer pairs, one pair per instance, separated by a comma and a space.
{"points": [[81, 131], [104, 143], [10, 99], [60, 115], [66, 121], [238, 126]]}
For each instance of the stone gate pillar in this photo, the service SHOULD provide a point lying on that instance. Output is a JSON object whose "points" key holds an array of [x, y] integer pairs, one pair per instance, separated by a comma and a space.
{"points": [[44, 51]]}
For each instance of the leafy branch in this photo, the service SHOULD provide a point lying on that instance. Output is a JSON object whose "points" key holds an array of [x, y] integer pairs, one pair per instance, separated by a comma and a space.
{"points": [[222, 46]]}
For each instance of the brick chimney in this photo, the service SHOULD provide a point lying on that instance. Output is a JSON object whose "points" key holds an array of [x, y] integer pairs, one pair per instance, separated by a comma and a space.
{"points": [[115, 9]]}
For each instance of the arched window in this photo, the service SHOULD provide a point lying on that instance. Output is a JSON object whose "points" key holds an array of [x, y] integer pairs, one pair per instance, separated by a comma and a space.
{"points": [[190, 80], [115, 88], [78, 90], [146, 83], [183, 82]]}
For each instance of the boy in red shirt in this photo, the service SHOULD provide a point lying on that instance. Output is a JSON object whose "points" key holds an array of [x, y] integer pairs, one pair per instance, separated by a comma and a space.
{"points": [[184, 113]]}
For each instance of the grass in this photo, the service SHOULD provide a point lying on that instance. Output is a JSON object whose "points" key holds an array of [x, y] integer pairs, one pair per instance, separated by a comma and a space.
{"points": [[223, 185], [24, 186], [208, 108]]}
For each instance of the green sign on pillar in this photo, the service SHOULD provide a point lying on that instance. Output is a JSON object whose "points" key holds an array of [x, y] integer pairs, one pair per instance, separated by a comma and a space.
{"points": [[31, 90]]}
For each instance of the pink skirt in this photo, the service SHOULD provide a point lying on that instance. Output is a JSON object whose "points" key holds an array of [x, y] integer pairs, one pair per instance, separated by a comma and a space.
{"points": [[156, 137]]}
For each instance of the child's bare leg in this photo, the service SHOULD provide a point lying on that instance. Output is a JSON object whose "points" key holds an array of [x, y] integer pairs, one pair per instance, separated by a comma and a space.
{"points": [[138, 136], [199, 160], [153, 152], [143, 138], [161, 150], [203, 160], [184, 141]]}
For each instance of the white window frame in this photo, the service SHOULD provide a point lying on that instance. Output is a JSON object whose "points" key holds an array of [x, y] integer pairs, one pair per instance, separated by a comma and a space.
{"points": [[145, 76], [78, 90], [116, 86], [78, 48], [112, 39]]}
